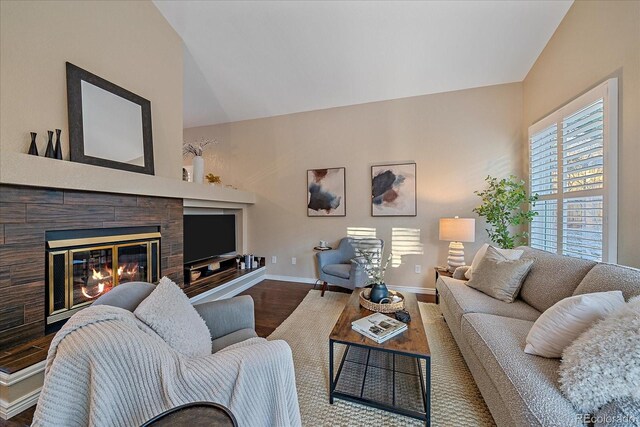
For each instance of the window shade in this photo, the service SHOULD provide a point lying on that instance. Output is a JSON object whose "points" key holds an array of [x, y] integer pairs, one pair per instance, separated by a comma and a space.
{"points": [[544, 227], [582, 219], [583, 149], [544, 161], [573, 170]]}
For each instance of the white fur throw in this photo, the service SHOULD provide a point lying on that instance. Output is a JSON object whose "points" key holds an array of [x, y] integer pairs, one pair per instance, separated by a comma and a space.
{"points": [[603, 364], [169, 313]]}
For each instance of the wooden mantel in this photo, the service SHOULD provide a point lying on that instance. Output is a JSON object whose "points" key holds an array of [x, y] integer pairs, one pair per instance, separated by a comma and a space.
{"points": [[23, 169]]}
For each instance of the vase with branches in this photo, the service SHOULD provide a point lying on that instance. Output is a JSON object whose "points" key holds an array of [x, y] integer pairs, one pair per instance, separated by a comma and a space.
{"points": [[371, 261], [196, 149], [505, 205]]}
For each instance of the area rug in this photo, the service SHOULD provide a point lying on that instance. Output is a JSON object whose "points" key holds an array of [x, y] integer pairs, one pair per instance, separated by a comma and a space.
{"points": [[455, 399]]}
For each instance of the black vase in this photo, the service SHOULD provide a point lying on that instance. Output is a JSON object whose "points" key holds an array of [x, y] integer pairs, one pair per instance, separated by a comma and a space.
{"points": [[33, 148], [379, 292], [50, 152], [58, 149]]}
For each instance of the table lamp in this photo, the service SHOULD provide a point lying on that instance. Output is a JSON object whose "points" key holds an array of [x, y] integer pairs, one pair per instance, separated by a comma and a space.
{"points": [[457, 230]]}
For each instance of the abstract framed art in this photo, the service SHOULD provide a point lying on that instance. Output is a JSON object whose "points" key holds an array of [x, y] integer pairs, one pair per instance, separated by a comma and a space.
{"points": [[326, 192], [393, 190]]}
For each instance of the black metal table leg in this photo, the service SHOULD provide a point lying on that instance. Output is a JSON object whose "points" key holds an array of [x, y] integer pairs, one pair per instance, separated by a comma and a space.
{"points": [[331, 383], [427, 391]]}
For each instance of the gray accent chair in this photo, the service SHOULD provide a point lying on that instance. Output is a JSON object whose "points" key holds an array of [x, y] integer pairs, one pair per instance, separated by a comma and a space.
{"points": [[230, 321], [340, 267]]}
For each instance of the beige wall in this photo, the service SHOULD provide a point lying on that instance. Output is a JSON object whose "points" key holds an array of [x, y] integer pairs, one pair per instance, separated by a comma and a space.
{"points": [[595, 41], [127, 43], [455, 138]]}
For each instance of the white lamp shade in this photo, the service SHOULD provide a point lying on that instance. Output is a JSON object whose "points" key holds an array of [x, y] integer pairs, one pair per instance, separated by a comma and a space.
{"points": [[458, 229]]}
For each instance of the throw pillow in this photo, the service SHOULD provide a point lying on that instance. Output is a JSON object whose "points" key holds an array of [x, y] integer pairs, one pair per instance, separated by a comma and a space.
{"points": [[511, 254], [603, 364], [561, 324], [170, 314], [498, 276]]}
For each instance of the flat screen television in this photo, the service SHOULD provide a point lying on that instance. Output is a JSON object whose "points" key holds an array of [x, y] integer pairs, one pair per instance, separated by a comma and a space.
{"points": [[208, 236]]}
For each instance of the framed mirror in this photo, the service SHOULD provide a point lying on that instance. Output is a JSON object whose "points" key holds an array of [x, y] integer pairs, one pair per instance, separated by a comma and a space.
{"points": [[108, 125]]}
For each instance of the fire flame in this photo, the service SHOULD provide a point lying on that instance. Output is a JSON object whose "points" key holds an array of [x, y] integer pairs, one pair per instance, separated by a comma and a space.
{"points": [[100, 291], [104, 284], [97, 275]]}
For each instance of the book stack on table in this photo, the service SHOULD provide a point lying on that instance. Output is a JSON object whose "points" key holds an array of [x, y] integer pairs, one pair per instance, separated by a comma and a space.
{"points": [[378, 327]]}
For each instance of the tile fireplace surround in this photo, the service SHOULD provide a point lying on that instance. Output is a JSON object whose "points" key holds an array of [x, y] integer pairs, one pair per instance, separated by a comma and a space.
{"points": [[27, 213]]}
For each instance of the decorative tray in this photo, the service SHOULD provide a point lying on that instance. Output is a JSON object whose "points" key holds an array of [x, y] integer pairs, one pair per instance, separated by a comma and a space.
{"points": [[396, 302]]}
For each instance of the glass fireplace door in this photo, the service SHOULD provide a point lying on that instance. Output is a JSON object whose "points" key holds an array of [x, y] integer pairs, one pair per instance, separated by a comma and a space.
{"points": [[133, 262], [91, 274]]}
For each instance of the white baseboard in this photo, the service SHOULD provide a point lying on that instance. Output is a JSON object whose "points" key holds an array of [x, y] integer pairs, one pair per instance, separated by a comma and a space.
{"points": [[11, 409], [292, 279], [412, 289]]}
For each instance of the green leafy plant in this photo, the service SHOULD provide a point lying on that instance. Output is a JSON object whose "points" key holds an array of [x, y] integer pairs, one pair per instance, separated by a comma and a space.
{"points": [[505, 204]]}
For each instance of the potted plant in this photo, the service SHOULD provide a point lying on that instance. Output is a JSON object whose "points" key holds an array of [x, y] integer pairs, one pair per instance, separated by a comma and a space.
{"points": [[371, 262], [506, 204]]}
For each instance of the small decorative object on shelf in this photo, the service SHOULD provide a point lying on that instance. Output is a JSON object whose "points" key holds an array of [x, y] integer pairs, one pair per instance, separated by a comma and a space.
{"points": [[50, 152], [213, 179], [196, 149], [33, 148], [195, 275], [198, 169], [185, 175], [58, 149]]}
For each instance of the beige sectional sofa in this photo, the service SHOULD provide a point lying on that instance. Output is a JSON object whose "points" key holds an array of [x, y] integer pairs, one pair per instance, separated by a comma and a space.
{"points": [[522, 389]]}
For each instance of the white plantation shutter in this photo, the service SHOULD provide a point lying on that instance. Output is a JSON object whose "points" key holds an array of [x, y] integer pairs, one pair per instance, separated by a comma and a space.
{"points": [[544, 161], [582, 233], [583, 149], [543, 233], [573, 169]]}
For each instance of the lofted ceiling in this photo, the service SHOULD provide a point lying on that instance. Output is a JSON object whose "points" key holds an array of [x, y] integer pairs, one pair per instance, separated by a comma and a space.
{"points": [[252, 59]]}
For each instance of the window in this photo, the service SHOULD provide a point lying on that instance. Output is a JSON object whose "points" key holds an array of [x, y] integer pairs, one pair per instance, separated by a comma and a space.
{"points": [[573, 168]]}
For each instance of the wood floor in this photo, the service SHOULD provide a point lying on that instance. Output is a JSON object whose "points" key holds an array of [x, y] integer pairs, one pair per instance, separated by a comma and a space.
{"points": [[274, 302]]}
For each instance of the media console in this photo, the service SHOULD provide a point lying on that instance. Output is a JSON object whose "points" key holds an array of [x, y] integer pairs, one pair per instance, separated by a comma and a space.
{"points": [[218, 278]]}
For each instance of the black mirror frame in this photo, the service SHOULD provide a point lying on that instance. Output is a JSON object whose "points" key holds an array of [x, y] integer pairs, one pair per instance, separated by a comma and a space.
{"points": [[75, 75]]}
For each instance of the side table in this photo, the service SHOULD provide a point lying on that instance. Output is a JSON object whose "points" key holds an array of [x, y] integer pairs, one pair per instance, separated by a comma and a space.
{"points": [[441, 272]]}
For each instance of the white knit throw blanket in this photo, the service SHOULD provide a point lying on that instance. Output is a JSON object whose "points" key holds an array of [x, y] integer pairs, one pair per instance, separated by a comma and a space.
{"points": [[106, 368]]}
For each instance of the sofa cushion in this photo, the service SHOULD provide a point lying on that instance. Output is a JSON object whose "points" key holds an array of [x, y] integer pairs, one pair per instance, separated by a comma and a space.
{"points": [[611, 277], [169, 313], [510, 254], [498, 276], [567, 319], [460, 299], [552, 277], [529, 383], [338, 270]]}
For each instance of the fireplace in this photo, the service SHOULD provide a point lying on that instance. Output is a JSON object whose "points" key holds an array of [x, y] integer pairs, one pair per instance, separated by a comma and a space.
{"points": [[85, 264]]}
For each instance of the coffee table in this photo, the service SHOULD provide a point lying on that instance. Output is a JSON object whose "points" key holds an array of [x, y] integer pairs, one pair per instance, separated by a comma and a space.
{"points": [[386, 376]]}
